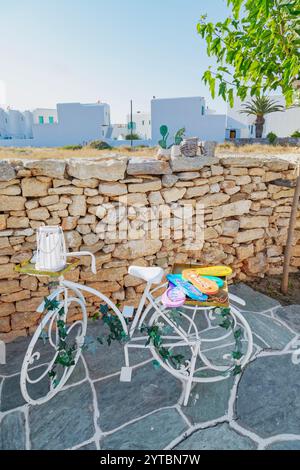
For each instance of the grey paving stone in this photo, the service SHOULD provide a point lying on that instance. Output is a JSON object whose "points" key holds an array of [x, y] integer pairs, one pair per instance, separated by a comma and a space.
{"points": [[12, 431], [285, 445], [103, 360], [269, 330], [153, 432], [255, 301], [290, 315], [90, 446], [149, 389], [220, 437], [11, 396], [78, 373], [64, 421], [268, 400], [208, 401], [15, 353]]}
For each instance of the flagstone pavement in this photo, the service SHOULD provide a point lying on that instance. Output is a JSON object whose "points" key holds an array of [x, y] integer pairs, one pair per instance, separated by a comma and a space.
{"points": [[259, 409]]}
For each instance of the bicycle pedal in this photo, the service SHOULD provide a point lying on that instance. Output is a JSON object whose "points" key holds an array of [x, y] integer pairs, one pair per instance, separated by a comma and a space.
{"points": [[126, 374], [128, 311]]}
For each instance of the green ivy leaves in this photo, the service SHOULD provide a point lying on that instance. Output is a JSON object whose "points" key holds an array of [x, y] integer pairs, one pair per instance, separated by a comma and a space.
{"points": [[257, 50]]}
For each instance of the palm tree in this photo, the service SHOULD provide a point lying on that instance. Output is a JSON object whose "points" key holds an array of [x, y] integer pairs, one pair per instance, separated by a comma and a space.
{"points": [[259, 107]]}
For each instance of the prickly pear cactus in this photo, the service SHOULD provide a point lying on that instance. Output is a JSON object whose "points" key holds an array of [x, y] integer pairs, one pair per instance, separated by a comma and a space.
{"points": [[164, 131], [179, 136]]}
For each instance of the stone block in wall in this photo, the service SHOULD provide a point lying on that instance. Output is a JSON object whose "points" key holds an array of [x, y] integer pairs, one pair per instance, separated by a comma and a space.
{"points": [[7, 271], [14, 190], [3, 219], [52, 168], [9, 286], [197, 191], [105, 287], [7, 171], [107, 170], [73, 239], [232, 209], [21, 295], [169, 180], [214, 200], [143, 166], [90, 183], [254, 222], [173, 194], [155, 198], [12, 203], [6, 309], [69, 223], [137, 249], [112, 189], [29, 282], [283, 193], [63, 190], [145, 187], [249, 235], [230, 227], [256, 265], [32, 187], [78, 206], [180, 164], [25, 319], [244, 162], [17, 222], [47, 201], [5, 324], [29, 305], [133, 199], [40, 213]]}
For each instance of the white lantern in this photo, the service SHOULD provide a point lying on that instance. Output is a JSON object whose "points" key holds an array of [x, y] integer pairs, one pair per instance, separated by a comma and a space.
{"points": [[51, 249]]}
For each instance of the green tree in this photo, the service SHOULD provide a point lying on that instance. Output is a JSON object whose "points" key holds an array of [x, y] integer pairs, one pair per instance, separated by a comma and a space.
{"points": [[259, 107], [256, 49]]}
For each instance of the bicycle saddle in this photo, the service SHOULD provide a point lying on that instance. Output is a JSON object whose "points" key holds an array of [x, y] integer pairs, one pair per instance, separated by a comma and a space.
{"points": [[152, 274]]}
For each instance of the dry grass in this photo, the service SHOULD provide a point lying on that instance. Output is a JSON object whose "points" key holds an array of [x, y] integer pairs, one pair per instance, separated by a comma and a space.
{"points": [[87, 152], [257, 148], [32, 153]]}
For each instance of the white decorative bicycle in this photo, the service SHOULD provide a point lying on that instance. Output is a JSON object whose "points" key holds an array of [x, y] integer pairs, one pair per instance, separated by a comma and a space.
{"points": [[172, 336]]}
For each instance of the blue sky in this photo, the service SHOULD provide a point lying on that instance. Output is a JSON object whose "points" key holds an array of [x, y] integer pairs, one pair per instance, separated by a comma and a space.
{"points": [[112, 50]]}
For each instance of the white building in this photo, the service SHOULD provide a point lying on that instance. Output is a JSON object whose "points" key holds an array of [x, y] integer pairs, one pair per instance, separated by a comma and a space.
{"points": [[141, 125], [283, 124], [15, 125], [114, 132], [190, 113], [69, 124], [76, 124], [44, 116]]}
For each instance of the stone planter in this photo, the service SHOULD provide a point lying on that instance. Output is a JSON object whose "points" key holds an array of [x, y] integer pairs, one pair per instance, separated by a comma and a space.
{"points": [[189, 147]]}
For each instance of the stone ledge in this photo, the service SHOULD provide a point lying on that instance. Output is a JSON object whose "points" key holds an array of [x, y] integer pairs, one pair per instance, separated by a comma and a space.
{"points": [[180, 164]]}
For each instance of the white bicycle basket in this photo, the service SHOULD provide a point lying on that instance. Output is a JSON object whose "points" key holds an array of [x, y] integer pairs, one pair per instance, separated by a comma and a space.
{"points": [[51, 249], [51, 254]]}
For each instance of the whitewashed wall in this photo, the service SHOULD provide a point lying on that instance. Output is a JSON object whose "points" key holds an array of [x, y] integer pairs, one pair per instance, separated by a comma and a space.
{"points": [[186, 112]]}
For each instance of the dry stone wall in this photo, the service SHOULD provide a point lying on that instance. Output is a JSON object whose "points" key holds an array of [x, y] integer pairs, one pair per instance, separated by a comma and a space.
{"points": [[245, 219]]}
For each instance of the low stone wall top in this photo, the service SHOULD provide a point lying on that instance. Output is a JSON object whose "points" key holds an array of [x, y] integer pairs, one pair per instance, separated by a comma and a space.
{"points": [[131, 211]]}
